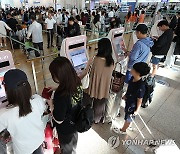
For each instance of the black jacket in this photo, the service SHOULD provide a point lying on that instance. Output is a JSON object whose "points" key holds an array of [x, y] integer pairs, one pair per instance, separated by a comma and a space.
{"points": [[12, 23], [162, 45], [173, 22], [73, 30], [177, 40]]}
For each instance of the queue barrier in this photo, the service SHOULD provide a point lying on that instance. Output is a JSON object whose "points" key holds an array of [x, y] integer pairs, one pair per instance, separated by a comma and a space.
{"points": [[42, 58]]}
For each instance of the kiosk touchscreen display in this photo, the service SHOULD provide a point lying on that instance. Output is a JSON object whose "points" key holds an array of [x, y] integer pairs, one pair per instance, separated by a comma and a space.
{"points": [[79, 59], [118, 43], [2, 90]]}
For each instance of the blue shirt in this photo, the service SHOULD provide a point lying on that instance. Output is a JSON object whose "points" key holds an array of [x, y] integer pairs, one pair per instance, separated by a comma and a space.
{"points": [[140, 51]]}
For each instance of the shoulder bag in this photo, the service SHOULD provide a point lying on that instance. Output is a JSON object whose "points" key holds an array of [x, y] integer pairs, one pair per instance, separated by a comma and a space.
{"points": [[85, 80], [118, 79]]}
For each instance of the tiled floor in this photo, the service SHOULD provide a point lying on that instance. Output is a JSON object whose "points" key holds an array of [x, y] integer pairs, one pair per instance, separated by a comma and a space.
{"points": [[162, 116]]}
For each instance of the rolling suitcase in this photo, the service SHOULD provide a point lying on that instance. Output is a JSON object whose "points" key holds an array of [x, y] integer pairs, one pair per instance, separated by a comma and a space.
{"points": [[14, 38]]}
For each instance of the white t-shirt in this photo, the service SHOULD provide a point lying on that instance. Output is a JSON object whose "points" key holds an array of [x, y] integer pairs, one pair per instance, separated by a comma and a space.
{"points": [[102, 20], [50, 23], [111, 14], [35, 29], [27, 132]]}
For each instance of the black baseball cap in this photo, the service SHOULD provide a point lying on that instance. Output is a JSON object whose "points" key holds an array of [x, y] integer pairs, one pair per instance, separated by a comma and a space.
{"points": [[13, 78], [142, 28]]}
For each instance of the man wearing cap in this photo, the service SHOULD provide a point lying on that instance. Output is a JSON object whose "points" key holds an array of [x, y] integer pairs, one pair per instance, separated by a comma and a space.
{"points": [[140, 50]]}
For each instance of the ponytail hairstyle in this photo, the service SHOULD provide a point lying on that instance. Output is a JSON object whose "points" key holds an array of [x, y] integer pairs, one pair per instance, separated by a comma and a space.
{"points": [[105, 51]]}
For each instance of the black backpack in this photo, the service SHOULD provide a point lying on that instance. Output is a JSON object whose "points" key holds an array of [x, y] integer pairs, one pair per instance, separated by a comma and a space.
{"points": [[83, 116], [149, 89], [85, 119]]}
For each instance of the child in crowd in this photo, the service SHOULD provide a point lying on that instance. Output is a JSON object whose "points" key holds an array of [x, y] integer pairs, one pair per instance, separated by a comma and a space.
{"points": [[134, 94]]}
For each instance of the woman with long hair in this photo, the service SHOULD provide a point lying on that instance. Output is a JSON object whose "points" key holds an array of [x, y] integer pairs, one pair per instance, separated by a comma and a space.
{"points": [[22, 117], [128, 17], [128, 21], [67, 95], [142, 17], [100, 79], [96, 26]]}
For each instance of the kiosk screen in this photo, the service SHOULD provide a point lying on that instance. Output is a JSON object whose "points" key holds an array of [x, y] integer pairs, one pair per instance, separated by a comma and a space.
{"points": [[118, 43], [79, 58], [2, 90]]}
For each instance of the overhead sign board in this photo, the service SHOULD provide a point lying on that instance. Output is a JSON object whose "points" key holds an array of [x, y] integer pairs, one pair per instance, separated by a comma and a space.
{"points": [[174, 0], [149, 1], [126, 1]]}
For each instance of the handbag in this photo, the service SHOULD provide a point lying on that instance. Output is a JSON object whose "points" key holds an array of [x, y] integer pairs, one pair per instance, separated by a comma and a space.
{"points": [[85, 81], [118, 79]]}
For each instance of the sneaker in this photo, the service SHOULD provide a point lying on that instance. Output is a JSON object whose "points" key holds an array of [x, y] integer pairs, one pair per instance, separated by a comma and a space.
{"points": [[130, 128], [119, 115], [110, 122], [118, 131]]}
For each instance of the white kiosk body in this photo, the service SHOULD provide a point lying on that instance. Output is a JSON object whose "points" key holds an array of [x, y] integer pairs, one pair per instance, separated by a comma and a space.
{"points": [[74, 48], [117, 41], [116, 38], [6, 63]]}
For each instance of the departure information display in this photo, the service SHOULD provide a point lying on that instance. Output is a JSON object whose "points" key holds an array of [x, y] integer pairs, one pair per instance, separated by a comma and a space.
{"points": [[174, 0], [125, 1], [149, 1]]}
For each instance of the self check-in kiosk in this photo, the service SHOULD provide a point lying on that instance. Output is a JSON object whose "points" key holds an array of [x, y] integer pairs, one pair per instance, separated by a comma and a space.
{"points": [[74, 48], [116, 37], [117, 40], [6, 63]]}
